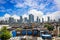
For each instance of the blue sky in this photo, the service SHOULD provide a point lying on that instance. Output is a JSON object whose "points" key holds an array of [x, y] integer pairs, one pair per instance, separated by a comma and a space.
{"points": [[20, 7]]}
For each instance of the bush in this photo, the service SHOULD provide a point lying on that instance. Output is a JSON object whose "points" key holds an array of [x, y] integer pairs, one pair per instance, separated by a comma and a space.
{"points": [[59, 35], [49, 27], [5, 34]]}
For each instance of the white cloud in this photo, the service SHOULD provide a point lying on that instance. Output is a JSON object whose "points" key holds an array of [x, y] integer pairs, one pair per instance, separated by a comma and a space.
{"points": [[2, 1], [31, 3], [2, 9], [16, 16], [25, 15], [42, 6], [57, 2], [13, 1], [19, 5], [54, 15], [36, 13], [26, 2], [6, 16], [1, 18], [37, 4]]}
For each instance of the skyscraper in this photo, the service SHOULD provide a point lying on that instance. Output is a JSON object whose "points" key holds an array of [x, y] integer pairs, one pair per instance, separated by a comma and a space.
{"points": [[42, 20], [59, 20], [38, 20], [11, 20], [31, 18], [48, 19], [21, 19], [25, 20]]}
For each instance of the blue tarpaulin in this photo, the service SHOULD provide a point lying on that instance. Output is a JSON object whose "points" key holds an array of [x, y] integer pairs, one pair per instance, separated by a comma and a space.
{"points": [[14, 33], [46, 36], [29, 32], [35, 32], [24, 32]]}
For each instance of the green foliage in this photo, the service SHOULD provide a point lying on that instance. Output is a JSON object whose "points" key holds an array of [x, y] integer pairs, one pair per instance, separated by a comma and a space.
{"points": [[0, 34], [49, 27], [5, 34], [4, 28], [59, 35], [46, 25]]}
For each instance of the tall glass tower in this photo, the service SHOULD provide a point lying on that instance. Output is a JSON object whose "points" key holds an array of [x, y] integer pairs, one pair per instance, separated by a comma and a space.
{"points": [[21, 19], [11, 20], [31, 18], [38, 20], [42, 20], [25, 20], [48, 19]]}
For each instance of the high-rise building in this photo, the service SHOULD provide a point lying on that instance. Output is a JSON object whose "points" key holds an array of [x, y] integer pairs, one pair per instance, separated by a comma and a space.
{"points": [[54, 20], [25, 20], [38, 20], [59, 20], [48, 19], [42, 20], [21, 19], [11, 20], [18, 21], [31, 18]]}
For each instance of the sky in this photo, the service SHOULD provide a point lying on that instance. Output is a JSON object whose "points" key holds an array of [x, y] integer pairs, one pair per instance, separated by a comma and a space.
{"points": [[40, 8]]}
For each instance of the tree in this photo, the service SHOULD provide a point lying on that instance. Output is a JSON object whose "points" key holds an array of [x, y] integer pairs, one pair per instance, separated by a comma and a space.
{"points": [[49, 27], [5, 34], [59, 35], [0, 34]]}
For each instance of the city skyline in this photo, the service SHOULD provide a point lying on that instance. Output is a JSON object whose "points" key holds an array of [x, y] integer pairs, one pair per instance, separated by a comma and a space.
{"points": [[28, 20], [15, 17], [40, 8]]}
